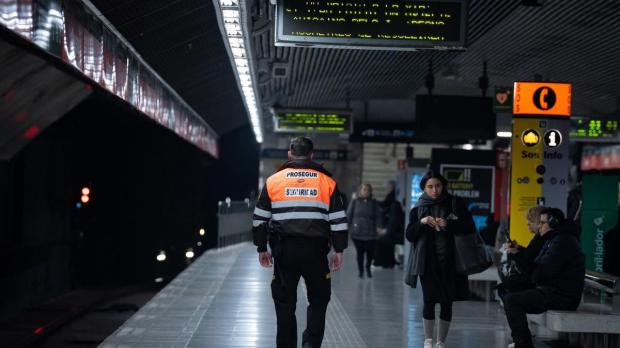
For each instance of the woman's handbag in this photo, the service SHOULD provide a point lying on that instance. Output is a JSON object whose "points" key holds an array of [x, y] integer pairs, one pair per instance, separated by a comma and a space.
{"points": [[410, 278], [471, 255]]}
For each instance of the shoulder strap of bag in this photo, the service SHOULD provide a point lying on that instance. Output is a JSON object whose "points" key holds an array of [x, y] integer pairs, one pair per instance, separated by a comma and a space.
{"points": [[454, 205], [374, 211]]}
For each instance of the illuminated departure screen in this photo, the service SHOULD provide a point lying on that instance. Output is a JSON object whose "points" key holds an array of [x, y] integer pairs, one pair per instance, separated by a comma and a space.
{"points": [[300, 121], [588, 128], [390, 24]]}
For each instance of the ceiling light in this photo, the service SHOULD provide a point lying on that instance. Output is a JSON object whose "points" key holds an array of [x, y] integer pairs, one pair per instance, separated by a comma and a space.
{"points": [[232, 27], [468, 147], [189, 254], [230, 13], [238, 52], [504, 134], [232, 19], [229, 2]]}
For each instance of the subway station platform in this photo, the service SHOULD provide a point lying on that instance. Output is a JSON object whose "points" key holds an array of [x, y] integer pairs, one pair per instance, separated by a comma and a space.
{"points": [[223, 300]]}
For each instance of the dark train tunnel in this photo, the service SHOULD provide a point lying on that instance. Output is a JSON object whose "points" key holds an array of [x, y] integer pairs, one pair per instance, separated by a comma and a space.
{"points": [[150, 191]]}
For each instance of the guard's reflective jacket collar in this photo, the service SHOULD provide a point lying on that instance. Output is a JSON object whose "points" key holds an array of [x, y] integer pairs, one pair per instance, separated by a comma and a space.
{"points": [[304, 164]]}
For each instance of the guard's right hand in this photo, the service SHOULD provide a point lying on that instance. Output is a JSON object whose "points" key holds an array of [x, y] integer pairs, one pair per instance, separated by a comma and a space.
{"points": [[265, 259]]}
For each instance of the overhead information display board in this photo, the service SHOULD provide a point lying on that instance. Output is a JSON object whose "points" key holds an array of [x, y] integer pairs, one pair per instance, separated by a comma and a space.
{"points": [[593, 128], [393, 24], [302, 121]]}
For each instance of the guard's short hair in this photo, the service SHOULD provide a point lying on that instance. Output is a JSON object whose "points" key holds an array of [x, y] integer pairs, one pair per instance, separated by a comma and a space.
{"points": [[301, 147]]}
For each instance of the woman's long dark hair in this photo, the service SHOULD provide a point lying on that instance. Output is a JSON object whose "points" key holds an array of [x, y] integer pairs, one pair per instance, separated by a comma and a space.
{"points": [[431, 174]]}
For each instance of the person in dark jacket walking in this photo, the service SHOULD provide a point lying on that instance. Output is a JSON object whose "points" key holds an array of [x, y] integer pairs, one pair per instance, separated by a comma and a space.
{"points": [[559, 271], [365, 221], [433, 222], [300, 212], [394, 227]]}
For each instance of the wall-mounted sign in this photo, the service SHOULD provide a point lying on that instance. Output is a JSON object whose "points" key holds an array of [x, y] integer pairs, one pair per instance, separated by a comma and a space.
{"points": [[600, 157], [383, 132], [594, 128], [305, 121], [553, 138], [503, 99], [397, 24], [530, 137], [540, 167], [476, 184], [599, 215], [542, 98]]}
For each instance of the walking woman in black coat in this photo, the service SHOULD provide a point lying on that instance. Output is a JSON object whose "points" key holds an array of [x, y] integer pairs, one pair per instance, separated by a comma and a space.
{"points": [[433, 222]]}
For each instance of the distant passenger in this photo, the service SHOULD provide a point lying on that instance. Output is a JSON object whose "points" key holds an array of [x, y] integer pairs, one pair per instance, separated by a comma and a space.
{"points": [[558, 275], [393, 231], [433, 222], [306, 213], [394, 235], [365, 221]]}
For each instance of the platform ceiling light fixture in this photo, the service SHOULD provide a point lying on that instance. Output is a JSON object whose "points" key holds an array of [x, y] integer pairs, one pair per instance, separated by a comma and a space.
{"points": [[189, 253], [232, 20], [504, 134]]}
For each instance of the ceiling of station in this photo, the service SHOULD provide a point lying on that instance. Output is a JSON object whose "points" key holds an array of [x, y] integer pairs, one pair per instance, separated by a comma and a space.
{"points": [[181, 40], [564, 40]]}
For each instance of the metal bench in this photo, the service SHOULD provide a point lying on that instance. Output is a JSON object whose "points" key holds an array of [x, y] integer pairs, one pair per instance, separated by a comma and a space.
{"points": [[483, 284], [592, 324], [606, 284]]}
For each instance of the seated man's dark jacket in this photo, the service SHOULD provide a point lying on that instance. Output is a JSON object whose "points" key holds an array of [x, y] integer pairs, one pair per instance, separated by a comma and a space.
{"points": [[560, 270]]}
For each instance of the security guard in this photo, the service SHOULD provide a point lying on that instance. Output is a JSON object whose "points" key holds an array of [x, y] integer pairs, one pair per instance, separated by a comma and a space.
{"points": [[302, 213]]}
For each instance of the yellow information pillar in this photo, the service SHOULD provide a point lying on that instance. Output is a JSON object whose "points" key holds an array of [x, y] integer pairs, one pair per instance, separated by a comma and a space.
{"points": [[540, 163]]}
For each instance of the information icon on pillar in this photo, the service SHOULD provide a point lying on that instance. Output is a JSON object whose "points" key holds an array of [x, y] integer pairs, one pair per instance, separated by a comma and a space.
{"points": [[553, 138]]}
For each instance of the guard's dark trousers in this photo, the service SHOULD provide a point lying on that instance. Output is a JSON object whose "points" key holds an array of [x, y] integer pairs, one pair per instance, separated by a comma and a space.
{"points": [[307, 258]]}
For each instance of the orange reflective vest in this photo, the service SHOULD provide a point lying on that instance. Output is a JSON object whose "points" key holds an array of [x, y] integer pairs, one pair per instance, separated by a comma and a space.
{"points": [[302, 200]]}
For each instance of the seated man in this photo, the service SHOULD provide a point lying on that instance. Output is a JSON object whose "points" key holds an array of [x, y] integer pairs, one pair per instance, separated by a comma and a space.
{"points": [[558, 274]]}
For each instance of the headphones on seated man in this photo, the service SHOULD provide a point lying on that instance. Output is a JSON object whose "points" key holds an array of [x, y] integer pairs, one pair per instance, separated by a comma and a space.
{"points": [[553, 219]]}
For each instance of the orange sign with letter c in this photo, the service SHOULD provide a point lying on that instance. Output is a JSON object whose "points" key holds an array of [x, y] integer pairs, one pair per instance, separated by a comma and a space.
{"points": [[542, 98]]}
